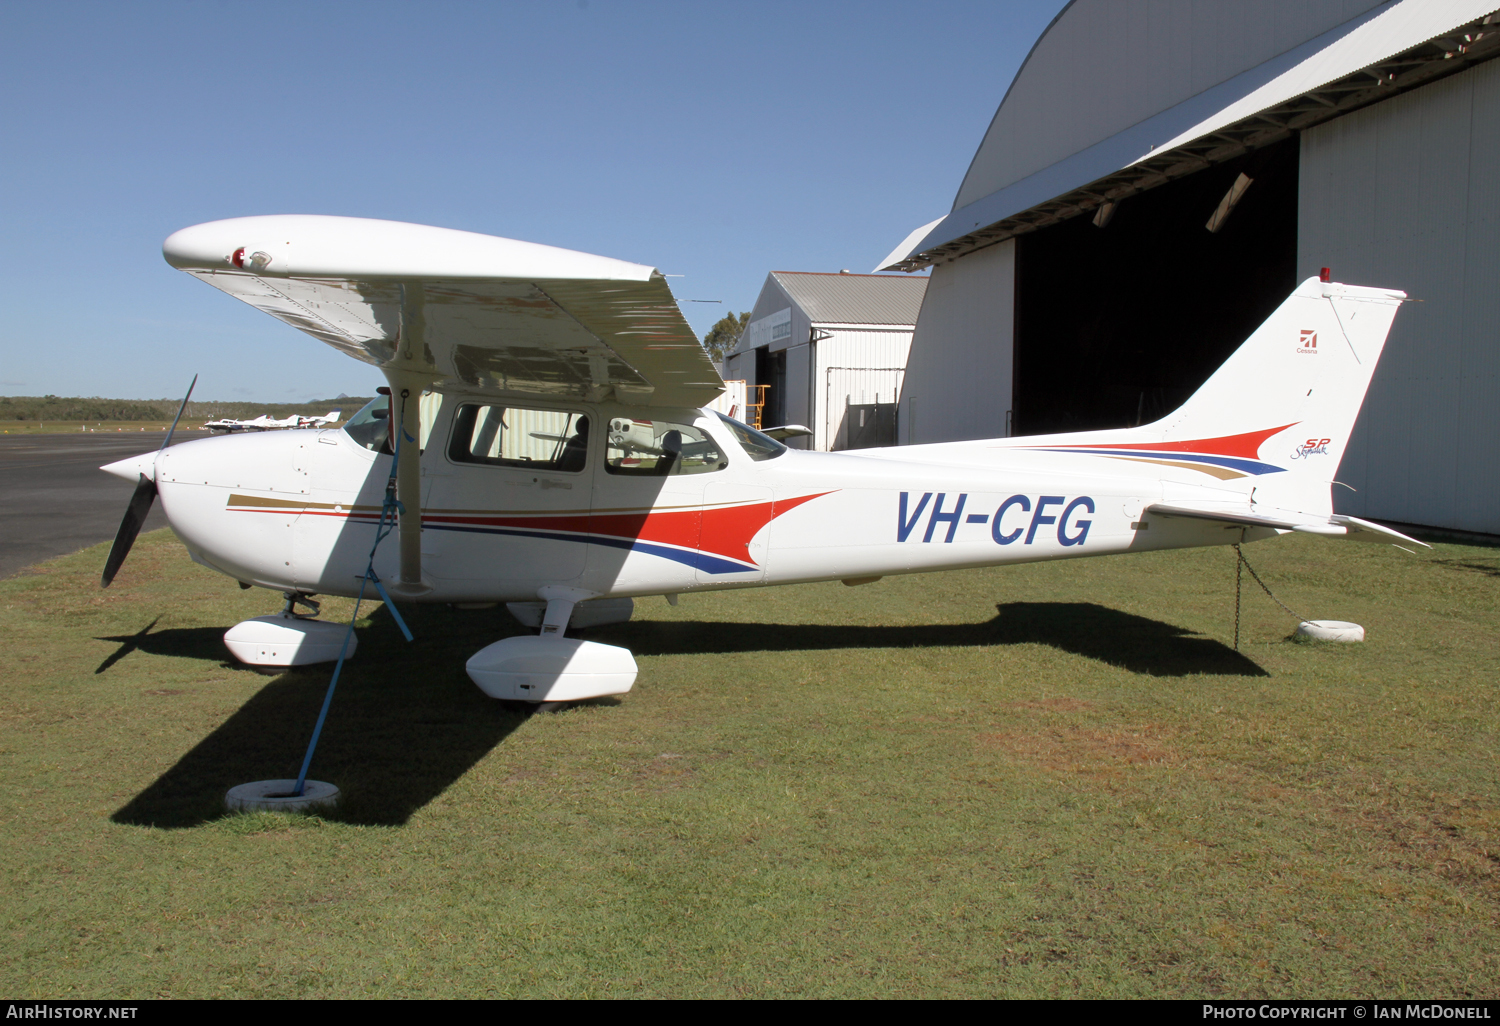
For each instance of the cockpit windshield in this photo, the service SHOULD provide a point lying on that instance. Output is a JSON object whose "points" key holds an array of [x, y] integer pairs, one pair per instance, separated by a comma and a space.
{"points": [[371, 426], [756, 445]]}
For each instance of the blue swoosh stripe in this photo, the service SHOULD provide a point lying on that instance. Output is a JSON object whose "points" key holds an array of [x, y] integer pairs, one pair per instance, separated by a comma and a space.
{"points": [[1232, 462]]}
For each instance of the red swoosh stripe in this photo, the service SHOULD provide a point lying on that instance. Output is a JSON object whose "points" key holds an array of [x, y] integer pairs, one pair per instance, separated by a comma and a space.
{"points": [[723, 531], [1245, 446]]}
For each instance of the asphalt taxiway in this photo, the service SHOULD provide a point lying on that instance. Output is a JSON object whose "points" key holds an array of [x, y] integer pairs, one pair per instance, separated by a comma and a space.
{"points": [[54, 499]]}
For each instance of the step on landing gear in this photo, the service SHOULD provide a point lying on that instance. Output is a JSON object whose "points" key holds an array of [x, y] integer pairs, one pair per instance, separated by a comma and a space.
{"points": [[548, 667]]}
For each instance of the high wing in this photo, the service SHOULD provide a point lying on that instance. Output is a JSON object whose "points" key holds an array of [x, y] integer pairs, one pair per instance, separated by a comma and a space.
{"points": [[474, 312], [1248, 515]]}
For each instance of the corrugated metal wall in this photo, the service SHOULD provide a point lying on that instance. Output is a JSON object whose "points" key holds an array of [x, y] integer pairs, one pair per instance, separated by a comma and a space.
{"points": [[1406, 194], [797, 407], [731, 403], [958, 379], [858, 366]]}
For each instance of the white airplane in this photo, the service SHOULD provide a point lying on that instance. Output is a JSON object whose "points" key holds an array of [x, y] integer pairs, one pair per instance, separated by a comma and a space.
{"points": [[329, 418], [265, 422], [544, 432]]}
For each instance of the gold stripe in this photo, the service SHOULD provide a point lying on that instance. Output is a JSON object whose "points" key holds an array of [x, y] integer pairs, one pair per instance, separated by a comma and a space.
{"points": [[1222, 473], [264, 503], [259, 502]]}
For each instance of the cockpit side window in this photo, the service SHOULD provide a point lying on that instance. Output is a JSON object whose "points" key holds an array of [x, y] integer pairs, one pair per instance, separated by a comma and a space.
{"points": [[660, 448]]}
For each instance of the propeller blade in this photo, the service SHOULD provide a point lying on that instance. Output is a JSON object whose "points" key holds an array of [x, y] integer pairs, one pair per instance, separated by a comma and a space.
{"points": [[140, 505], [168, 440], [135, 516]]}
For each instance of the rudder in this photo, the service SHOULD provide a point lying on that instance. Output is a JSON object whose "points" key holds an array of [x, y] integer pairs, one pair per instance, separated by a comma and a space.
{"points": [[1292, 390]]}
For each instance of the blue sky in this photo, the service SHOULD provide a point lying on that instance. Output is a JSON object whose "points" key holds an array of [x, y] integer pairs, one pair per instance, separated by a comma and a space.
{"points": [[718, 141]]}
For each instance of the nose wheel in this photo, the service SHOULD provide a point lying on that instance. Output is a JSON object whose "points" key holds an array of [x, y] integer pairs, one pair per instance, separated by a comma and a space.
{"points": [[292, 637]]}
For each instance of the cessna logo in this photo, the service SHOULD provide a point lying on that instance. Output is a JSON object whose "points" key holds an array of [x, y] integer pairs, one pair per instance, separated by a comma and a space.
{"points": [[1307, 342]]}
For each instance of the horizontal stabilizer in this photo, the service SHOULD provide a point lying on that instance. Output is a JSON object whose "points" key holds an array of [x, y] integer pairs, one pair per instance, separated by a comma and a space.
{"points": [[1364, 530], [1247, 515]]}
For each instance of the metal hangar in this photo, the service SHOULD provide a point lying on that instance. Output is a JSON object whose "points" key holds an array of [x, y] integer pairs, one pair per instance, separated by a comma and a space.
{"points": [[1158, 177]]}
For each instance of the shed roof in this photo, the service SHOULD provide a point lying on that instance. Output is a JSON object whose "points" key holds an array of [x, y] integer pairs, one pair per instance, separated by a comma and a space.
{"points": [[854, 298], [1376, 54]]}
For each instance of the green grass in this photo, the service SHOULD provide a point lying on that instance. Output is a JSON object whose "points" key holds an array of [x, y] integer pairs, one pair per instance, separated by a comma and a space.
{"points": [[1055, 779]]}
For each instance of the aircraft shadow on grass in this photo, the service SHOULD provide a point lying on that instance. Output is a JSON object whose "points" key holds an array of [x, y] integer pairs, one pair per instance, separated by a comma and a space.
{"points": [[1135, 643], [407, 722]]}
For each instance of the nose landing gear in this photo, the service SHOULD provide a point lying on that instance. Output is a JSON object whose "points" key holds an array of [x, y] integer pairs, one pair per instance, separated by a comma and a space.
{"points": [[292, 637]]}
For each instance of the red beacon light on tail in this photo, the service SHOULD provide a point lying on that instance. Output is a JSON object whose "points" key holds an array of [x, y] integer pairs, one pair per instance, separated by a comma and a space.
{"points": [[1325, 275]]}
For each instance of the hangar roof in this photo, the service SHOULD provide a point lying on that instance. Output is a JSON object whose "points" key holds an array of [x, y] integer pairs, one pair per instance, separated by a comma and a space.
{"points": [[854, 298], [1113, 65], [1115, 99]]}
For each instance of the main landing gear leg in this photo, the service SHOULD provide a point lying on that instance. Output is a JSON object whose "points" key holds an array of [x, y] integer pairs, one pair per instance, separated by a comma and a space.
{"points": [[560, 602], [549, 667]]}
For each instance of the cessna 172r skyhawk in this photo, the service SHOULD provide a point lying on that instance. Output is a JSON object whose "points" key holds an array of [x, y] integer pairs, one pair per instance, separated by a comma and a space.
{"points": [[558, 454]]}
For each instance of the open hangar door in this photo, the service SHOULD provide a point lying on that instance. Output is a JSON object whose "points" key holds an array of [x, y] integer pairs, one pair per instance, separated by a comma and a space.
{"points": [[1118, 325]]}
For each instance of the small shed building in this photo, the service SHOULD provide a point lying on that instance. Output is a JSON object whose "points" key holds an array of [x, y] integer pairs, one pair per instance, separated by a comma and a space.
{"points": [[831, 350]]}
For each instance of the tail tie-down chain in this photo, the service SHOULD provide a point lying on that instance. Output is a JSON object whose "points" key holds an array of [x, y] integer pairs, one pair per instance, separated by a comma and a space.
{"points": [[1242, 562]]}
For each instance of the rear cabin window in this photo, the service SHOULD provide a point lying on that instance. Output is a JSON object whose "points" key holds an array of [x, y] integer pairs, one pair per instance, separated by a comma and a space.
{"points": [[513, 436], [660, 448]]}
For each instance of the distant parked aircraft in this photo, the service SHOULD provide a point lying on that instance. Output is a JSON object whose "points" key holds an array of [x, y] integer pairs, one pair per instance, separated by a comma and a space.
{"points": [[265, 422]]}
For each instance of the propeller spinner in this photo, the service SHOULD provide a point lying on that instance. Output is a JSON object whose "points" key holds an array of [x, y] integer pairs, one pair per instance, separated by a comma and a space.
{"points": [[140, 501]]}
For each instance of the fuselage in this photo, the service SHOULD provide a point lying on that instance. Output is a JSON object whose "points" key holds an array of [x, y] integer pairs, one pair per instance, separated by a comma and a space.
{"points": [[297, 510]]}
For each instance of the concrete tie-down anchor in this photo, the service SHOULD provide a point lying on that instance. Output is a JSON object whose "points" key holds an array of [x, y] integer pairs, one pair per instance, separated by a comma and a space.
{"points": [[281, 796]]}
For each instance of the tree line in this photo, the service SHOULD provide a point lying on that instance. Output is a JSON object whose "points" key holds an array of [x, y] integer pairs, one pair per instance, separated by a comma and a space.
{"points": [[94, 408], [725, 335]]}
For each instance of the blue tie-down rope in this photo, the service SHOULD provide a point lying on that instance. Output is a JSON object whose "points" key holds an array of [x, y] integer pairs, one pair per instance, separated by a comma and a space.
{"points": [[390, 507]]}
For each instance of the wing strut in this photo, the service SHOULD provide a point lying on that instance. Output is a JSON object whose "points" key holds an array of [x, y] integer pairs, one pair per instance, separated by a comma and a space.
{"points": [[406, 409], [409, 373]]}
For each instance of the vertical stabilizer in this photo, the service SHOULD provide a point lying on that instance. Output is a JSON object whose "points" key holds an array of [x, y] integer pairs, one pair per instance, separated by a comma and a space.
{"points": [[1290, 394], [1272, 422]]}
